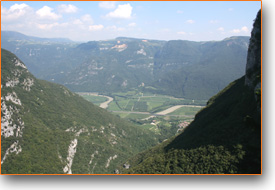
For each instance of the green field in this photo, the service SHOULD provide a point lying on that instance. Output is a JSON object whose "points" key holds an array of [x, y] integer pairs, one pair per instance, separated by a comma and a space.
{"points": [[134, 101], [132, 115], [97, 100], [186, 111], [138, 107]]}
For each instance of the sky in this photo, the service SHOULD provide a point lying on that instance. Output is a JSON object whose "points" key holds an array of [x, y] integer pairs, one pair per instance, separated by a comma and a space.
{"points": [[103, 20]]}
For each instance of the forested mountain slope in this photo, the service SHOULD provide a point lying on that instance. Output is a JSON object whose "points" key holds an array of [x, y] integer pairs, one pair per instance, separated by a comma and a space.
{"points": [[224, 138], [46, 129], [194, 70], [198, 70]]}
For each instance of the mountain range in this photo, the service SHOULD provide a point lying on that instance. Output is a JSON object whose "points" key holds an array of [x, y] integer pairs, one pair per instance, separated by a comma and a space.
{"points": [[193, 70]]}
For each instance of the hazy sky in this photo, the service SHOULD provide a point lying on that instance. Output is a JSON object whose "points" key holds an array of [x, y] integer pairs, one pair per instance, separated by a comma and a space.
{"points": [[163, 20]]}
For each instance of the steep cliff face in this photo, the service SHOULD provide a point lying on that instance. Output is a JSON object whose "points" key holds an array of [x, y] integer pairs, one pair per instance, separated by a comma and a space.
{"points": [[253, 65]]}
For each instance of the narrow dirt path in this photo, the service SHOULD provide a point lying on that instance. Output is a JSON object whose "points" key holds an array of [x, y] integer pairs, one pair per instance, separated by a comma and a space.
{"points": [[169, 110], [174, 108]]}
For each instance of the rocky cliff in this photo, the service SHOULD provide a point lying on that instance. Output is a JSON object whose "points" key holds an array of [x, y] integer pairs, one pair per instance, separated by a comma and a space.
{"points": [[253, 65]]}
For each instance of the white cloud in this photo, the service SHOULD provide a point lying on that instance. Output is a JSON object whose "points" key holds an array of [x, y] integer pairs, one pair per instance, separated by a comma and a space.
{"points": [[15, 12], [96, 27], [46, 13], [115, 28], [82, 23], [179, 12], [230, 9], [107, 4], [190, 21], [87, 18], [122, 11], [46, 21], [67, 8], [244, 29], [133, 24], [19, 7], [221, 29], [77, 22], [181, 33], [236, 31], [46, 26]]}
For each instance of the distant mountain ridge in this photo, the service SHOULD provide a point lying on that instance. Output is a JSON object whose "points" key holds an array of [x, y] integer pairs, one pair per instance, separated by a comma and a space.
{"points": [[180, 68], [199, 69], [12, 35]]}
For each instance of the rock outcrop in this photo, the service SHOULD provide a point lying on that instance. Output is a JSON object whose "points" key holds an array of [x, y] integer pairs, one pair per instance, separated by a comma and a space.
{"points": [[253, 65]]}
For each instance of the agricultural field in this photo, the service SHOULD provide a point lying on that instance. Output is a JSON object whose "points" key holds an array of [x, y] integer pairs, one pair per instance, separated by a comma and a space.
{"points": [[95, 99], [146, 110], [137, 116], [186, 111], [164, 115], [152, 103], [133, 102]]}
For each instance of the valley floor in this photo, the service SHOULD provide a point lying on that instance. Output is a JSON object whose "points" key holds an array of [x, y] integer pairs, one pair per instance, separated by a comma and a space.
{"points": [[150, 111], [154, 99], [174, 108], [104, 104]]}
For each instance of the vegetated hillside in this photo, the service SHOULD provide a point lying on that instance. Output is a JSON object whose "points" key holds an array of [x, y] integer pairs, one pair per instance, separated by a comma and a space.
{"points": [[46, 58], [114, 65], [224, 138], [46, 129], [198, 70], [179, 68]]}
